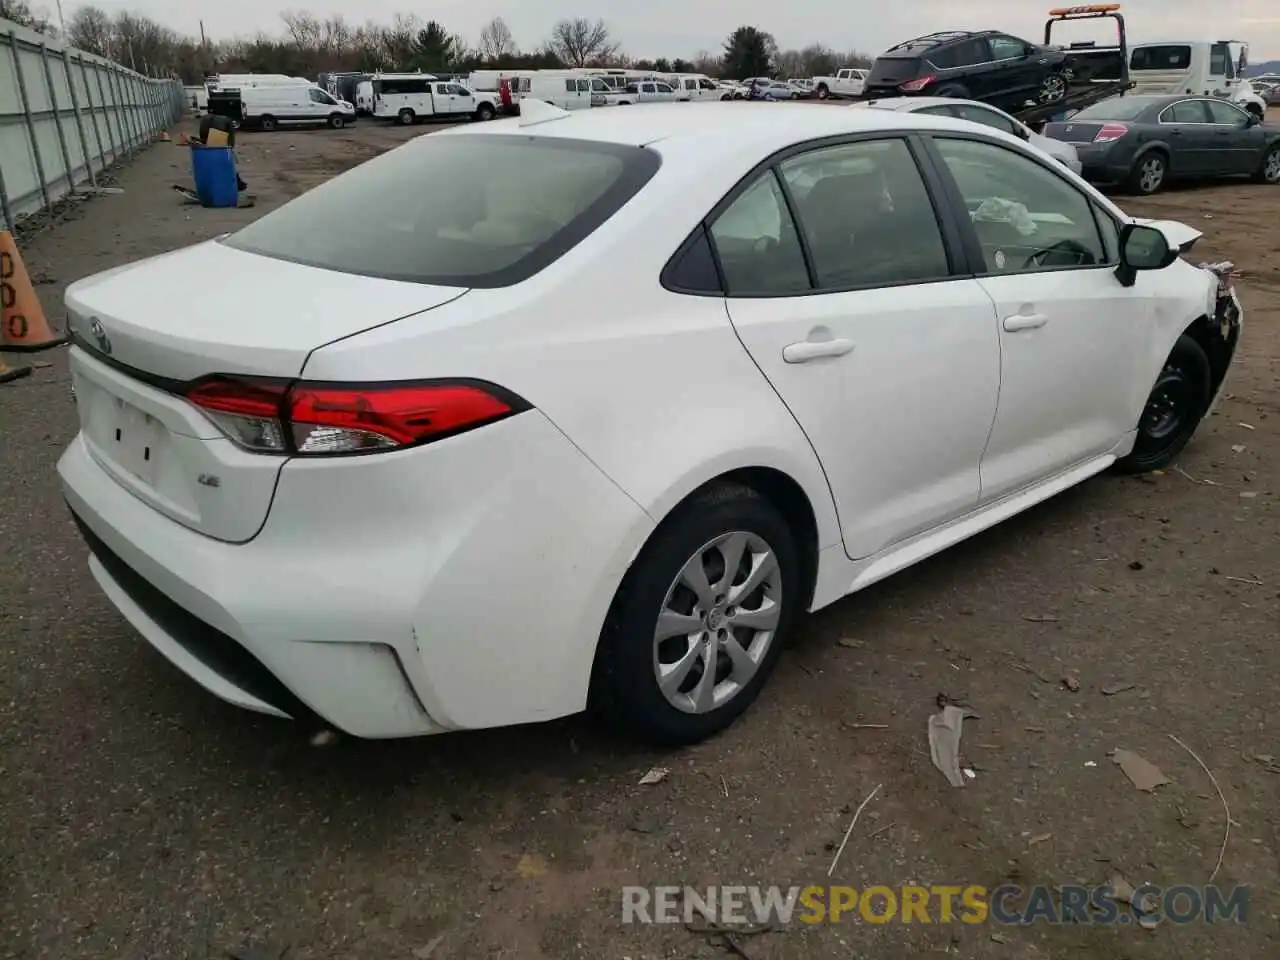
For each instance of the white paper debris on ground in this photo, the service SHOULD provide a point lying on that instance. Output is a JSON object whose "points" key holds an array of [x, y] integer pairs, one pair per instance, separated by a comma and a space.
{"points": [[1091, 763], [944, 742], [1142, 773], [1237, 448], [656, 775]]}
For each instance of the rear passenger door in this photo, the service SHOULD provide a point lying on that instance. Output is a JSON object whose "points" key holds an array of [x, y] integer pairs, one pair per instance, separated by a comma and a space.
{"points": [[1187, 130], [841, 284]]}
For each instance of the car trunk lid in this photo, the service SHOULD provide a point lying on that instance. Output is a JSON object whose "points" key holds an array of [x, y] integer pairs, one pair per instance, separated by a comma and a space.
{"points": [[144, 331], [1069, 131]]}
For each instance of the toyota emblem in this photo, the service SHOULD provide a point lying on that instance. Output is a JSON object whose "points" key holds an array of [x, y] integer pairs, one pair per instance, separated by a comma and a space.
{"points": [[100, 334]]}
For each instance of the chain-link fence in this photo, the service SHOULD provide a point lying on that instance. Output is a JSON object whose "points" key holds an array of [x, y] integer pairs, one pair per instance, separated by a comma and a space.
{"points": [[66, 116]]}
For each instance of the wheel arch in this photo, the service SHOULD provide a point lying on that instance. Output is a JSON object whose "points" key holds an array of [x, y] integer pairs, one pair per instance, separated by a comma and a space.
{"points": [[1218, 348]]}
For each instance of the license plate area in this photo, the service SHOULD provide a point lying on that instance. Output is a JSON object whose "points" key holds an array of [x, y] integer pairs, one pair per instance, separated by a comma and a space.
{"points": [[136, 441]]}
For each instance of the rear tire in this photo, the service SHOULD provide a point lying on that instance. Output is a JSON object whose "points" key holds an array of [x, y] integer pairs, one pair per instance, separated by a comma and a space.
{"points": [[406, 117], [1149, 174], [823, 92], [1174, 409], [741, 643], [1269, 169]]}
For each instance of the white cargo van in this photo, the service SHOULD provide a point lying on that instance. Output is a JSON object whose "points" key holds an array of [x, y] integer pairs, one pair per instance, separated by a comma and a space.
{"points": [[410, 97], [568, 90], [275, 105]]}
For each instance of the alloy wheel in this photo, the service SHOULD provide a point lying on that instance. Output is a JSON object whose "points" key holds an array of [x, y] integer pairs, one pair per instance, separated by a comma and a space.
{"points": [[717, 622], [1054, 88], [1271, 171], [1152, 175]]}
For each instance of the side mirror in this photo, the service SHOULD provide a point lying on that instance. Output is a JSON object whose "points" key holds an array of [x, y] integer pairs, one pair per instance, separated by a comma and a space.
{"points": [[1142, 248]]}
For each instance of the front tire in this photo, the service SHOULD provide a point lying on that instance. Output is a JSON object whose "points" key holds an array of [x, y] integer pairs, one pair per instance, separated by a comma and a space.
{"points": [[698, 624], [823, 92], [337, 121], [1269, 169], [1174, 409], [484, 113]]}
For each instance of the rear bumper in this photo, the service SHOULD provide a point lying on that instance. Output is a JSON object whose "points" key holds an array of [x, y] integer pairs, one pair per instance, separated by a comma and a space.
{"points": [[398, 595]]}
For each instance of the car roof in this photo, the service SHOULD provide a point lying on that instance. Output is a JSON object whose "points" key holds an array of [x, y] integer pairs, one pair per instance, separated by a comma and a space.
{"points": [[715, 128]]}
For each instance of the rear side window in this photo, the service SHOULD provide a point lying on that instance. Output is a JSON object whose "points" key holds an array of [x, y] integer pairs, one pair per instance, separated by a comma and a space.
{"points": [[757, 243], [1118, 108], [1188, 111], [1172, 56], [987, 118], [446, 210]]}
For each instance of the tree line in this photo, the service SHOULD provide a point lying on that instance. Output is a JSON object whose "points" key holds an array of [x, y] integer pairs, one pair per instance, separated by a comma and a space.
{"points": [[308, 45]]}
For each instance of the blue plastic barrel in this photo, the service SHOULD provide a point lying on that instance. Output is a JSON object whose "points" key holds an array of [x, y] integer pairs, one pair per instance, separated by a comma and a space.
{"points": [[214, 171]]}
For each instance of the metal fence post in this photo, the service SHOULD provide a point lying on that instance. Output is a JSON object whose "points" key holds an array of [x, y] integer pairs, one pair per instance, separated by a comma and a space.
{"points": [[57, 119], [26, 110], [122, 116], [93, 114], [117, 150], [75, 106]]}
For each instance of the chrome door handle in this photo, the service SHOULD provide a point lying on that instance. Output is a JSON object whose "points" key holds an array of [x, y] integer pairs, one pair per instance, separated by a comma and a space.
{"points": [[1025, 321], [807, 350]]}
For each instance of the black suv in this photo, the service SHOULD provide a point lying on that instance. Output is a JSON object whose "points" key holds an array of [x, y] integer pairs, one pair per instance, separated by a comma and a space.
{"points": [[989, 66]]}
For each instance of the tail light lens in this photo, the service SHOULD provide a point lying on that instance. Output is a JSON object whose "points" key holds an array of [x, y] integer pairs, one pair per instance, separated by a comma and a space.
{"points": [[317, 419], [1110, 132], [915, 86]]}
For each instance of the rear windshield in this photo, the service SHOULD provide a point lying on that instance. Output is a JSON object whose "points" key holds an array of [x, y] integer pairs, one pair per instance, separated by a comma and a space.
{"points": [[1173, 56], [1120, 108], [478, 210]]}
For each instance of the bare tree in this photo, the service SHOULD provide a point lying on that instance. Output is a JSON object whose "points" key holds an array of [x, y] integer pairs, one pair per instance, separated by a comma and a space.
{"points": [[579, 42], [90, 29], [303, 29], [496, 40]]}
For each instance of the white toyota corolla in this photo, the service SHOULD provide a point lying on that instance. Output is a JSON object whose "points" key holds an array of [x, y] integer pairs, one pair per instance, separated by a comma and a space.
{"points": [[582, 410]]}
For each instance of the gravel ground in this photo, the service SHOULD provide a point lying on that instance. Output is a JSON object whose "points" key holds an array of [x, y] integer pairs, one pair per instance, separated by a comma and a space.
{"points": [[143, 818]]}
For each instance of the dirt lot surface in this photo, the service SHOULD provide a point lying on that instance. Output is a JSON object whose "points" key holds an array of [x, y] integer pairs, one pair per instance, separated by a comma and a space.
{"points": [[144, 818]]}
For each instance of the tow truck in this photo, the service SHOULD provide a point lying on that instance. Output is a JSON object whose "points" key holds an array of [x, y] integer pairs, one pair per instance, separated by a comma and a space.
{"points": [[1094, 71]]}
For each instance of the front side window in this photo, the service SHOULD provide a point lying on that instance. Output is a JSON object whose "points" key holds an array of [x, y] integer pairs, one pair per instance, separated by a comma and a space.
{"points": [[756, 241], [1007, 48], [458, 90], [1026, 218], [663, 88], [487, 230], [318, 96], [707, 85], [1224, 113], [1220, 60], [866, 215]]}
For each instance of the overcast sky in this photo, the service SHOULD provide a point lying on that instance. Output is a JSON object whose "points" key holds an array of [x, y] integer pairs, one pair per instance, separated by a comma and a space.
{"points": [[672, 28]]}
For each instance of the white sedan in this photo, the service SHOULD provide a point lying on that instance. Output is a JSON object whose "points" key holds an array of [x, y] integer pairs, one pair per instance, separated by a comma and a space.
{"points": [[977, 112], [595, 436]]}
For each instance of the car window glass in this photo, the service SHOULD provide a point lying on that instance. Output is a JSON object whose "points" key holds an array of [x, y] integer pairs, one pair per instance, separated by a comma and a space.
{"points": [[1222, 112], [944, 58], [316, 96], [971, 52], [442, 89], [571, 86], [1007, 48], [663, 88], [1187, 111], [707, 84], [487, 229], [1026, 218], [756, 241], [1219, 60], [941, 110], [1110, 230], [458, 90], [986, 117], [866, 215]]}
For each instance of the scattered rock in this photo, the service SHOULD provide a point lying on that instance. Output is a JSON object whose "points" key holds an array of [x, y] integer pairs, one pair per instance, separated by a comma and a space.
{"points": [[1142, 773], [1071, 683], [1119, 686], [655, 775]]}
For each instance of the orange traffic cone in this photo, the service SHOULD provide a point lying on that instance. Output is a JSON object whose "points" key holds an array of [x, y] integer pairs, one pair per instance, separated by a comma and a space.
{"points": [[22, 323], [8, 373]]}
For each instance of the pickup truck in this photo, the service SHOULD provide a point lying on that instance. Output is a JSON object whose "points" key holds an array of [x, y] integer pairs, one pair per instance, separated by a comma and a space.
{"points": [[646, 91], [848, 82]]}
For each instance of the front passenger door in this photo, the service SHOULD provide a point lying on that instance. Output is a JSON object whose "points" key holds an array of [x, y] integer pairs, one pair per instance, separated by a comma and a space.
{"points": [[1071, 336], [461, 100], [1238, 141], [884, 352]]}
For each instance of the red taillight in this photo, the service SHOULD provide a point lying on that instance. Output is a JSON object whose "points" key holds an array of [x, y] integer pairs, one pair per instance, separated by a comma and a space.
{"points": [[279, 416], [1110, 131], [915, 86]]}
